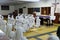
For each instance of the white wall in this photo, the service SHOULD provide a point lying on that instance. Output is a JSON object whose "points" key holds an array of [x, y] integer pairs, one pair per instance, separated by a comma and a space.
{"points": [[28, 0], [37, 5], [48, 3], [25, 10], [58, 8], [52, 11], [5, 12]]}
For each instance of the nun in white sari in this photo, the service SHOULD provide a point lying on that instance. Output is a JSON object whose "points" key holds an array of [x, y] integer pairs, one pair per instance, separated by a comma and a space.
{"points": [[17, 17], [8, 29], [26, 24], [9, 19], [19, 20], [19, 34], [37, 22], [31, 21], [12, 20], [51, 19], [53, 37], [12, 35], [2, 24], [19, 23]]}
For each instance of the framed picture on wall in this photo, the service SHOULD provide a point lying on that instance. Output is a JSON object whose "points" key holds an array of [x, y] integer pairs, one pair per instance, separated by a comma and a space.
{"points": [[4, 7]]}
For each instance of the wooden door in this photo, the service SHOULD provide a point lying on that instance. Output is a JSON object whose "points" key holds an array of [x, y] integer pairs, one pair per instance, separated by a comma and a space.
{"points": [[57, 17], [45, 10]]}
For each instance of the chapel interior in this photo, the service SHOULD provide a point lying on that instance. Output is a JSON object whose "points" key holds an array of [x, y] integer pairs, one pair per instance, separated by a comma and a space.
{"points": [[29, 19]]}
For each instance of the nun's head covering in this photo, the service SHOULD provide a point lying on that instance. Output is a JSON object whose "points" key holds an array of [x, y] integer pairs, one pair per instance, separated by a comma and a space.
{"points": [[12, 16], [37, 17], [0, 15], [53, 37], [18, 14]]}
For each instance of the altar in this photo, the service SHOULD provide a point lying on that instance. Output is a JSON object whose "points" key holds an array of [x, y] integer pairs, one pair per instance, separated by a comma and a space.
{"points": [[44, 18]]}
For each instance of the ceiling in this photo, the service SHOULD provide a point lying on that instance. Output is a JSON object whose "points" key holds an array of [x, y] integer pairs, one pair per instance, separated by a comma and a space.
{"points": [[4, 2], [17, 2]]}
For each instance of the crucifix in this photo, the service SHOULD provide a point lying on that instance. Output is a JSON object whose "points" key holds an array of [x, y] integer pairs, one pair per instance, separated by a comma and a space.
{"points": [[55, 5]]}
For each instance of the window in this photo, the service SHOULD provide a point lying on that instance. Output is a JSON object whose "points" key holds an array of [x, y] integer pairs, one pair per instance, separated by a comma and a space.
{"points": [[4, 7], [36, 9], [20, 10]]}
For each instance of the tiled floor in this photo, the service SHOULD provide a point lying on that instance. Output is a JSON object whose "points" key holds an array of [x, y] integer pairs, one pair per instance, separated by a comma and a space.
{"points": [[44, 37], [32, 39], [41, 33]]}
